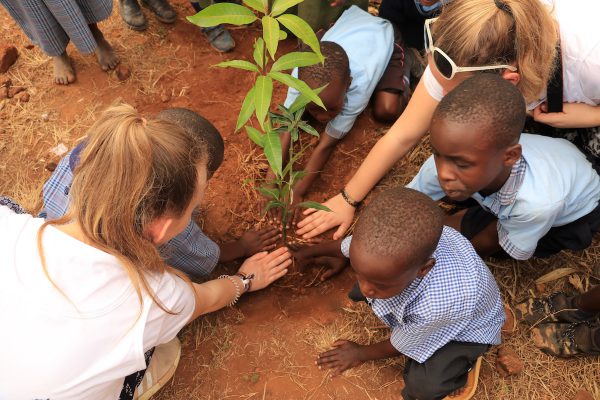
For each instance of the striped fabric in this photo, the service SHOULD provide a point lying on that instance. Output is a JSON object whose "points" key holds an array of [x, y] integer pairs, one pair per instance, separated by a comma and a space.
{"points": [[52, 23]]}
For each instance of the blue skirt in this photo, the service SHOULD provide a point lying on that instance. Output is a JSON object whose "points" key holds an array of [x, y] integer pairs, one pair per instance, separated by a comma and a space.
{"points": [[50, 24]]}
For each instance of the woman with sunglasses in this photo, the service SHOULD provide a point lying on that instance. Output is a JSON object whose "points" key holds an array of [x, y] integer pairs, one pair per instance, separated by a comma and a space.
{"points": [[515, 38]]}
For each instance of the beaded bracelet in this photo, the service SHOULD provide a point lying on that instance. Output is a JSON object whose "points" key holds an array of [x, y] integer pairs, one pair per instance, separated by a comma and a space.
{"points": [[238, 291], [349, 199]]}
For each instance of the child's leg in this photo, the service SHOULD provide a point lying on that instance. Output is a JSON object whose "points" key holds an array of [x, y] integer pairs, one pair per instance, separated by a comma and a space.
{"points": [[443, 373], [479, 226], [104, 52]]}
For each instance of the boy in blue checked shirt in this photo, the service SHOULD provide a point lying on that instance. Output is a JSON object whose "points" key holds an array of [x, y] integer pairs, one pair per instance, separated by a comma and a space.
{"points": [[535, 195], [191, 251], [424, 281]]}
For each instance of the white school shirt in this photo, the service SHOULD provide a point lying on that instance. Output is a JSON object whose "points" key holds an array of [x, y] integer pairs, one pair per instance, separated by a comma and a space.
{"points": [[558, 186], [368, 42], [580, 47], [53, 349]]}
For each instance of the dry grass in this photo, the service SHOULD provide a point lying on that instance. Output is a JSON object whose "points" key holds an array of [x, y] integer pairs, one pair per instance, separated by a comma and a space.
{"points": [[213, 344]]}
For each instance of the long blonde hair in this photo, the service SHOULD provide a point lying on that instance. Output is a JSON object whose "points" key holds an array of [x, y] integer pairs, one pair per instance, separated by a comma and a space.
{"points": [[479, 32], [131, 171]]}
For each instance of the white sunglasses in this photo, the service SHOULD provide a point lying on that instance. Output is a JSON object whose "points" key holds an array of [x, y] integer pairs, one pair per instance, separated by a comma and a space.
{"points": [[444, 63]]}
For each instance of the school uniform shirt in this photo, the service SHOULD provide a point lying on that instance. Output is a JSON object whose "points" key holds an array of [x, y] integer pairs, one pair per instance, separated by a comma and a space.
{"points": [[580, 47], [458, 300], [80, 339], [191, 251], [368, 42], [553, 184]]}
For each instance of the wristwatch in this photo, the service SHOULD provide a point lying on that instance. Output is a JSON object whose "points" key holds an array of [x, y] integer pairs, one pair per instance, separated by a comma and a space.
{"points": [[246, 281]]}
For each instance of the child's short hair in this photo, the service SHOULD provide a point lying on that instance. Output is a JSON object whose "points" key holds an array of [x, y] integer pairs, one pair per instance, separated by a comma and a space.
{"points": [[486, 99], [195, 124], [400, 223], [336, 65]]}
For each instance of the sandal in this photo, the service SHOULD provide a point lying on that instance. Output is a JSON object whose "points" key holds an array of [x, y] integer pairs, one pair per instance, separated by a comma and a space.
{"points": [[471, 385], [162, 367], [567, 340]]}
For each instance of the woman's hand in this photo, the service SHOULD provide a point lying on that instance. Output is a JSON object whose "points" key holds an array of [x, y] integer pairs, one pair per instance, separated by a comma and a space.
{"points": [[266, 267], [573, 115], [318, 221]]}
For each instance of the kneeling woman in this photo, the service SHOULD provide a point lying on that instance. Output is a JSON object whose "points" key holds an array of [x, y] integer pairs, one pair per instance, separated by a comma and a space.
{"points": [[83, 298]]}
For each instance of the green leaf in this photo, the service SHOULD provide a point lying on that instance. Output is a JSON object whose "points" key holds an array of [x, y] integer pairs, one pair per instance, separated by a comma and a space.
{"points": [[269, 192], [255, 135], [259, 48], [223, 13], [313, 204], [280, 6], [295, 59], [272, 149], [256, 4], [308, 129], [240, 64], [282, 35], [262, 97], [303, 31], [301, 101], [271, 34], [296, 176], [272, 204], [246, 111], [297, 84]]}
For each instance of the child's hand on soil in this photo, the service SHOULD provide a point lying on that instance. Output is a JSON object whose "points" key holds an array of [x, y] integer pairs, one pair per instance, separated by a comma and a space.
{"points": [[253, 242], [266, 267], [345, 355]]}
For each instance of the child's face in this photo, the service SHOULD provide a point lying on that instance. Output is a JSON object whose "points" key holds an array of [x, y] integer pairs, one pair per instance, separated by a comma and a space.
{"points": [[466, 164], [384, 277], [333, 97]]}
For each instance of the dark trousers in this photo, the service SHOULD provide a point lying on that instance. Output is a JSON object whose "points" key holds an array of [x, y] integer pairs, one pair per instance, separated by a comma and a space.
{"points": [[576, 235], [444, 372]]}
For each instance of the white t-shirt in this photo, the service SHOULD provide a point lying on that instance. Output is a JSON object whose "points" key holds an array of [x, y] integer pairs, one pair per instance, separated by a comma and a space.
{"points": [[580, 46], [83, 345]]}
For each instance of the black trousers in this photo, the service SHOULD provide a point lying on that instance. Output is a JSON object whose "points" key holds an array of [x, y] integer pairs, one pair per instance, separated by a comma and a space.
{"points": [[444, 372]]}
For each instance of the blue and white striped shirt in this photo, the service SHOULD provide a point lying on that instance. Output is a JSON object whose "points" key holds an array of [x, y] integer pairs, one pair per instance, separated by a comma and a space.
{"points": [[191, 251], [458, 300]]}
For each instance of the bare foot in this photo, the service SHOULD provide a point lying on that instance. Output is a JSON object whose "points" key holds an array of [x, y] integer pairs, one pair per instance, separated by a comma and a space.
{"points": [[63, 70], [508, 362], [105, 54]]}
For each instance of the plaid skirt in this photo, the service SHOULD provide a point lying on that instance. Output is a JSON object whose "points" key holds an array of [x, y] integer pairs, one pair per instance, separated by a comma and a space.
{"points": [[50, 24]]}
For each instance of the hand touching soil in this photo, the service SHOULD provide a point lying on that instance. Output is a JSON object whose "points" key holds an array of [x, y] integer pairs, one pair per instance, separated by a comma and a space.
{"points": [[345, 355], [253, 242]]}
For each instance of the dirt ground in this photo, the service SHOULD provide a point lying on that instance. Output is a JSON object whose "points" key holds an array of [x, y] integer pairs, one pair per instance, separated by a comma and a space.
{"points": [[265, 347]]}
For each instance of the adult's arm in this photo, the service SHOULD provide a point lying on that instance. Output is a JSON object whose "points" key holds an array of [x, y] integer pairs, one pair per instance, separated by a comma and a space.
{"points": [[216, 294], [574, 115], [397, 142]]}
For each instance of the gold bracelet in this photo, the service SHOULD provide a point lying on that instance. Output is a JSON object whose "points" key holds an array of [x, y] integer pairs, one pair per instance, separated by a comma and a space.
{"points": [[238, 291]]}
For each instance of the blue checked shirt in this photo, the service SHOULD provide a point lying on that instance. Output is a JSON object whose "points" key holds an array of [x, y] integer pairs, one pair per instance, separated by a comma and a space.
{"points": [[552, 184], [191, 251], [458, 300]]}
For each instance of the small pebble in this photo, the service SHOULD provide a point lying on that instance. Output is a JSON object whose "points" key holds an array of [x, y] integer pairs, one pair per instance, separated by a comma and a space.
{"points": [[122, 72], [45, 117], [51, 166], [164, 96]]}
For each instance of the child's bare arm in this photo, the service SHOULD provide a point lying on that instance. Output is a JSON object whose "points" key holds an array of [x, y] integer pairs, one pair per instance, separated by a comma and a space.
{"points": [[315, 163], [250, 243], [347, 354]]}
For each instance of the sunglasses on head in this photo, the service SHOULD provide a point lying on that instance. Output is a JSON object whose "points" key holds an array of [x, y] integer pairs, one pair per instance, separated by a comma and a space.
{"points": [[444, 63]]}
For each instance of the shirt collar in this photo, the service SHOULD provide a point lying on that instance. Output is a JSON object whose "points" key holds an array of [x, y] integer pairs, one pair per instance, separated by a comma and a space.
{"points": [[508, 193]]}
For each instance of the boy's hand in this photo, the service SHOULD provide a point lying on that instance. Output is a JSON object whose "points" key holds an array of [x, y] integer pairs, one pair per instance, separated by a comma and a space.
{"points": [[253, 242], [267, 267], [345, 355]]}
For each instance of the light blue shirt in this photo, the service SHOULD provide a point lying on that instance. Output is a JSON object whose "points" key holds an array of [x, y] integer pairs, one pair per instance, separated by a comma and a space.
{"points": [[558, 186], [368, 42], [458, 300]]}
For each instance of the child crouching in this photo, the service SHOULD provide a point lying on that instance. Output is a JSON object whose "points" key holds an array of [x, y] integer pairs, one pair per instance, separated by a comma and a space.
{"points": [[426, 282]]}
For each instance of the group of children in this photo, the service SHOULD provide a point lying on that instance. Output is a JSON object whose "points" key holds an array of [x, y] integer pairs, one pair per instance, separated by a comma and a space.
{"points": [[519, 195]]}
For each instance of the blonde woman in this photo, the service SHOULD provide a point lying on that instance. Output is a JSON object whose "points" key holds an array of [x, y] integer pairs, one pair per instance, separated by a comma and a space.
{"points": [[514, 38], [83, 297]]}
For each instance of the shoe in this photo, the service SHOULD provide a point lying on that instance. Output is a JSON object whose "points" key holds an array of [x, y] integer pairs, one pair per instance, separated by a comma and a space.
{"points": [[164, 11], [568, 340], [558, 307], [131, 13], [161, 369], [219, 38], [471, 385]]}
